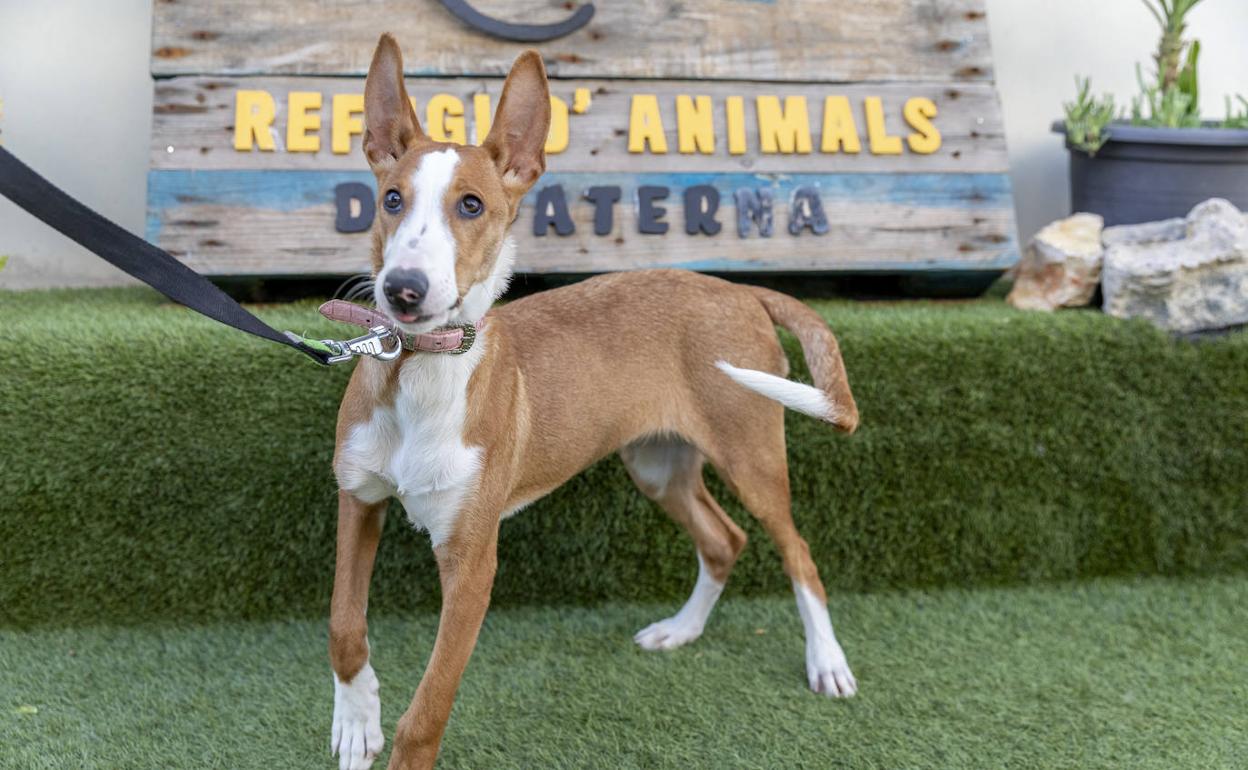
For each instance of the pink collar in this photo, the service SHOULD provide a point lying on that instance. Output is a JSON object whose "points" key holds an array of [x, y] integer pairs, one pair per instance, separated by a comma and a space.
{"points": [[453, 339]]}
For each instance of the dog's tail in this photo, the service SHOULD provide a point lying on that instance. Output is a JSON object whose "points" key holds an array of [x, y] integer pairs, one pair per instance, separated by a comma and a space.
{"points": [[830, 400]]}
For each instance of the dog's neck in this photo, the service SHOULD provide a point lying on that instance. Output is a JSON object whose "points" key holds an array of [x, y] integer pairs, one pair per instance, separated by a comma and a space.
{"points": [[481, 296]]}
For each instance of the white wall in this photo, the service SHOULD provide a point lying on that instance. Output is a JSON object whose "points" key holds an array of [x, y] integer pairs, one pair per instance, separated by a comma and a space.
{"points": [[77, 103], [77, 106], [1040, 45]]}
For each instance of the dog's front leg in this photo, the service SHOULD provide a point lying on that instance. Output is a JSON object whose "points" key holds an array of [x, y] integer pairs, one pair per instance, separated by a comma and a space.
{"points": [[466, 563], [356, 737]]}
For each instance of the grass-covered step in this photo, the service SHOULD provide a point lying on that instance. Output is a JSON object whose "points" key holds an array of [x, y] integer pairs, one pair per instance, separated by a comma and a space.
{"points": [[154, 464], [1140, 673]]}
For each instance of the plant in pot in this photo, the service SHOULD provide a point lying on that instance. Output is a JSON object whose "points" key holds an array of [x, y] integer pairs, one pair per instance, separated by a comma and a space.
{"points": [[1159, 158]]}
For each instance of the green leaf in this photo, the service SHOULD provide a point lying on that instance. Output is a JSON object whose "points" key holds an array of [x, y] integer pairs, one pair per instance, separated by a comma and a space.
{"points": [[1188, 81], [1088, 118]]}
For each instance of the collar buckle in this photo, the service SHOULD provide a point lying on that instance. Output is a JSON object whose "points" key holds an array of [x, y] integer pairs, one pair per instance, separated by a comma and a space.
{"points": [[470, 336]]}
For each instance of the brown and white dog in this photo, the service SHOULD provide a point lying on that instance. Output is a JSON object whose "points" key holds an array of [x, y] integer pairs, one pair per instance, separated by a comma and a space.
{"points": [[668, 368]]}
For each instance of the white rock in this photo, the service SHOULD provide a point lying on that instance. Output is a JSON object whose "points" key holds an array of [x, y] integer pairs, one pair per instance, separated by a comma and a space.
{"points": [[1184, 275], [1062, 265], [1148, 232]]}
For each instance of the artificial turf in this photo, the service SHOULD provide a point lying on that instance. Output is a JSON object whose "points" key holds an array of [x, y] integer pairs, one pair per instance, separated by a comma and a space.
{"points": [[155, 465], [1143, 673]]}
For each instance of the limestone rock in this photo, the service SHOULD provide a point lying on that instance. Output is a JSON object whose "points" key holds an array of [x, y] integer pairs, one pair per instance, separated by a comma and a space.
{"points": [[1184, 275], [1148, 232], [1062, 265]]}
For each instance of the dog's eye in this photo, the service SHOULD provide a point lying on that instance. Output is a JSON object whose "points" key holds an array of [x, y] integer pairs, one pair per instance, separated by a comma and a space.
{"points": [[471, 206], [393, 202]]}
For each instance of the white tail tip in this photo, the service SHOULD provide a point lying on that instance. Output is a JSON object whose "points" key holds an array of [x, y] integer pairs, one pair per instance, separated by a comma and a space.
{"points": [[794, 395]]}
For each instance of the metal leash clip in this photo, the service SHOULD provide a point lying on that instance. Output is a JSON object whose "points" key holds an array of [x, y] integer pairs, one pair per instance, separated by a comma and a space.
{"points": [[371, 344]]}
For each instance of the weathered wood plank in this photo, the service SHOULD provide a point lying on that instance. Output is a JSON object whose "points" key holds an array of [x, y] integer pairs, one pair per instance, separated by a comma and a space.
{"points": [[193, 125], [803, 40], [282, 222]]}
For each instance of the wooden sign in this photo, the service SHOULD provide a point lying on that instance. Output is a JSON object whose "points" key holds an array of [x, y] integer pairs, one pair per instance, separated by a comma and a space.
{"points": [[753, 152]]}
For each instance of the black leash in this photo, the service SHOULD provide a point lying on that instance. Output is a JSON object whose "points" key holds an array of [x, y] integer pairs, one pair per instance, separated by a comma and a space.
{"points": [[151, 265]]}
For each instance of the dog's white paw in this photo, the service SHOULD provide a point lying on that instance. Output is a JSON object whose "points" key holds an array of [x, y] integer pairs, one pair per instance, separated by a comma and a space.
{"points": [[686, 625], [828, 672], [357, 738], [668, 634]]}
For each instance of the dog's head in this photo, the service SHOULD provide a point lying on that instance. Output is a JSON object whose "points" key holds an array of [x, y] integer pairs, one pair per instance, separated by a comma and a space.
{"points": [[440, 248]]}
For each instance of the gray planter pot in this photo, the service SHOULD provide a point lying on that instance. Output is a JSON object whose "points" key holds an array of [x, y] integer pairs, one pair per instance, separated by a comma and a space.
{"points": [[1146, 174]]}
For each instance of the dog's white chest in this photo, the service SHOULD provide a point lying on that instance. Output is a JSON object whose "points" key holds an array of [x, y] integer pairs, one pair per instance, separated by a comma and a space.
{"points": [[414, 448]]}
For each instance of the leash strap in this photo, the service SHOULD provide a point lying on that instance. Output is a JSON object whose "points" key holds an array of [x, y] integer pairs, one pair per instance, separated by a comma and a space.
{"points": [[150, 264]]}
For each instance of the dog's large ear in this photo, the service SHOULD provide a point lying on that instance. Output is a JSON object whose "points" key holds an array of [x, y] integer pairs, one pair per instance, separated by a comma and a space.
{"points": [[390, 125], [517, 140]]}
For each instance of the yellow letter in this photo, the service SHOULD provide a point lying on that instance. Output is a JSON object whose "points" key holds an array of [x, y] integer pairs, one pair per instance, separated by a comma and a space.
{"points": [[877, 133], [840, 132], [918, 112], [345, 125], [581, 99], [645, 124], [254, 112], [695, 131], [557, 138], [734, 111], [787, 131], [481, 116], [445, 117], [300, 120]]}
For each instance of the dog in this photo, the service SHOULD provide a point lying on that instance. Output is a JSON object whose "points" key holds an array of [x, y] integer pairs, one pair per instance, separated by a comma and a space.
{"points": [[668, 368]]}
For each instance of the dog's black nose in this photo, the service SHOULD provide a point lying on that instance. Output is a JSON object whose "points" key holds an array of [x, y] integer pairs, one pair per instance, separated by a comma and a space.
{"points": [[405, 288]]}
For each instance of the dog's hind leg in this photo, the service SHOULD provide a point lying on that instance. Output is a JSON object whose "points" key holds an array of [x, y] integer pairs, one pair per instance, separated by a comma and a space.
{"points": [[757, 470], [356, 737], [669, 471]]}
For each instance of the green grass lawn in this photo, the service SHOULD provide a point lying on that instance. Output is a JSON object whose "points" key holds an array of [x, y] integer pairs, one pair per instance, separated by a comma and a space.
{"points": [[1146, 673], [166, 551], [158, 466]]}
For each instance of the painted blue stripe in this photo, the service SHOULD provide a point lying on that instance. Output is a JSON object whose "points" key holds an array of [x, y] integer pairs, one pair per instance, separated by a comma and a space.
{"points": [[287, 190], [976, 191], [291, 190], [276, 190]]}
